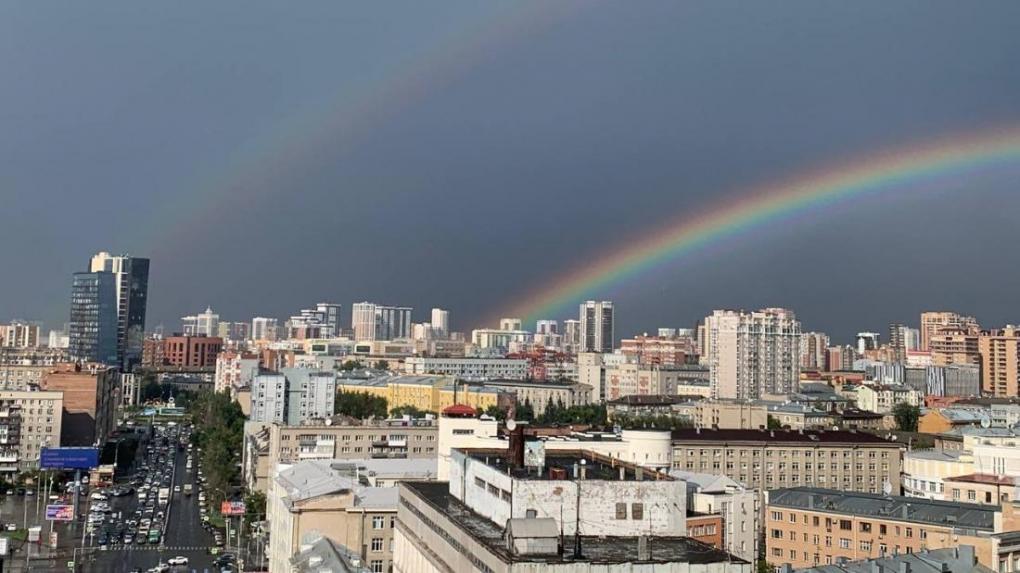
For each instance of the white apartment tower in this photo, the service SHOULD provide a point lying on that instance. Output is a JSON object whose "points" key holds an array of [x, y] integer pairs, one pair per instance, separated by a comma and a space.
{"points": [[596, 321], [204, 324], [750, 354], [263, 328], [440, 323], [372, 321]]}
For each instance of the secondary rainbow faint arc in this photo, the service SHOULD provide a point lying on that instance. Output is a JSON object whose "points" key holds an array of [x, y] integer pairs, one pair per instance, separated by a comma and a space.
{"points": [[757, 208]]}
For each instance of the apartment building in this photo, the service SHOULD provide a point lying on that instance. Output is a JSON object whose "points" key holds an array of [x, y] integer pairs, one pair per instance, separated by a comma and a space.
{"points": [[235, 370], [429, 393], [807, 527], [191, 351], [541, 394], [882, 398], [955, 346], [738, 506], [29, 421], [770, 459], [293, 396], [1000, 361], [659, 350], [933, 322], [91, 394], [751, 354], [22, 376]]}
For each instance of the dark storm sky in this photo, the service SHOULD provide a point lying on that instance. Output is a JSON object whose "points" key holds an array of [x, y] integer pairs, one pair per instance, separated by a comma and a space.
{"points": [[270, 155]]}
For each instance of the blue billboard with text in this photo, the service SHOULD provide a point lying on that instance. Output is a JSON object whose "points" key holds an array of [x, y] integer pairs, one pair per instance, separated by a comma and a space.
{"points": [[69, 458]]}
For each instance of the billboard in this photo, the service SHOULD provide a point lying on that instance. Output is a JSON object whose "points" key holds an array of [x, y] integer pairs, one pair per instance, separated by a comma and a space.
{"points": [[232, 508], [60, 512], [69, 458]]}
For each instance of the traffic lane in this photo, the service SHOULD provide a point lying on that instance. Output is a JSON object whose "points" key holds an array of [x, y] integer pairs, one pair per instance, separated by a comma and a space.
{"points": [[124, 561]]}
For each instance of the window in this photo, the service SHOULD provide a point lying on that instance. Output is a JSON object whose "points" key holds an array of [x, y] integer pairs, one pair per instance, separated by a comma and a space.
{"points": [[844, 543], [777, 516], [866, 546], [881, 529], [865, 527], [846, 525], [621, 510], [378, 522], [377, 543], [480, 482], [637, 511], [377, 566], [910, 532], [971, 495]]}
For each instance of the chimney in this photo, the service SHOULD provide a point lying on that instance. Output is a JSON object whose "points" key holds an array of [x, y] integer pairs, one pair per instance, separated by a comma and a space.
{"points": [[644, 552], [904, 567], [516, 451], [905, 510], [811, 501], [576, 471], [876, 568]]}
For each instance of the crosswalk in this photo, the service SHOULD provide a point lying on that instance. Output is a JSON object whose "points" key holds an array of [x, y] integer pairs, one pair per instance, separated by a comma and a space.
{"points": [[158, 548]]}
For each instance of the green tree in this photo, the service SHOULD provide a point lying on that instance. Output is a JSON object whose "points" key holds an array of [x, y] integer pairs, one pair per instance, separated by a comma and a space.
{"points": [[525, 412], [773, 423], [906, 416], [361, 405], [763, 566], [254, 507], [151, 390], [401, 411], [348, 365], [382, 365], [496, 412]]}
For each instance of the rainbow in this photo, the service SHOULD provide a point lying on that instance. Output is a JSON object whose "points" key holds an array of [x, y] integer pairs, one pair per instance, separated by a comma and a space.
{"points": [[758, 208]]}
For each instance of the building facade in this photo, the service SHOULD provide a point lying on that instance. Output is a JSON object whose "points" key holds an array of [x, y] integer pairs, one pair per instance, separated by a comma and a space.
{"points": [[596, 323], [191, 351], [93, 326], [752, 353]]}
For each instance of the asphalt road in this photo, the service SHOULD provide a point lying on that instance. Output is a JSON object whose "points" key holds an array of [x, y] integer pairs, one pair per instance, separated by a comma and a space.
{"points": [[183, 536]]}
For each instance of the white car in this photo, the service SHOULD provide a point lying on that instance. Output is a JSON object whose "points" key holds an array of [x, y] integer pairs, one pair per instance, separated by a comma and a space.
{"points": [[177, 489], [179, 560]]}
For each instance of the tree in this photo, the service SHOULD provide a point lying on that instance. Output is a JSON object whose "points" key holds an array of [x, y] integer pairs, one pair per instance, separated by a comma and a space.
{"points": [[652, 422], [361, 405], [525, 412], [348, 365], [401, 411], [496, 412], [764, 567], [906, 416], [151, 390], [773, 423], [254, 507], [382, 365]]}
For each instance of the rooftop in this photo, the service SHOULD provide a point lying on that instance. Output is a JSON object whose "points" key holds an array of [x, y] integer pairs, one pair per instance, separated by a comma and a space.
{"points": [[958, 559], [593, 549], [560, 465], [989, 479], [936, 455], [647, 400], [894, 508], [781, 436], [326, 555]]}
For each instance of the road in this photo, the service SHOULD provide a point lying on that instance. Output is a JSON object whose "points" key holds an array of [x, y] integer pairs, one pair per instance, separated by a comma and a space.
{"points": [[184, 536]]}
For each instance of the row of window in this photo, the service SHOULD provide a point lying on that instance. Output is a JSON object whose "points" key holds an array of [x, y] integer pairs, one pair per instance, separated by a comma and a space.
{"points": [[782, 453]]}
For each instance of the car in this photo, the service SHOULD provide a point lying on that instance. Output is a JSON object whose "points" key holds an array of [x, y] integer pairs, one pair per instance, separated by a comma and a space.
{"points": [[179, 560], [177, 489]]}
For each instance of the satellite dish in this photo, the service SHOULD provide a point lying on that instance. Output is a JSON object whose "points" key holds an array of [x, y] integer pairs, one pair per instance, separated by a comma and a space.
{"points": [[986, 422], [511, 424], [887, 487], [329, 421]]}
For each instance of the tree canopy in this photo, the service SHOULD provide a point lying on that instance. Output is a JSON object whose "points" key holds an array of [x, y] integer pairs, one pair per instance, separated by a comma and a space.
{"points": [[906, 416], [360, 405]]}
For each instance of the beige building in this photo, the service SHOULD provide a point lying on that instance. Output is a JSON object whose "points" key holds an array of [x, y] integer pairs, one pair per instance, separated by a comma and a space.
{"points": [[29, 421], [332, 499], [750, 354], [278, 444], [811, 526], [21, 376], [1000, 361], [925, 471], [933, 322], [541, 394], [769, 459], [954, 346], [986, 489], [882, 398], [428, 393], [91, 398], [724, 414]]}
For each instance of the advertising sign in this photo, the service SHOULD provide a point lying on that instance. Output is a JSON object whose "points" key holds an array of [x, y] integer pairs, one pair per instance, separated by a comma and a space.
{"points": [[69, 458], [232, 508], [59, 512], [534, 454]]}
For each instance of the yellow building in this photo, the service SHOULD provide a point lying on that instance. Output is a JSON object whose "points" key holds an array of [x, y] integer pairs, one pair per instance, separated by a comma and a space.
{"points": [[429, 393]]}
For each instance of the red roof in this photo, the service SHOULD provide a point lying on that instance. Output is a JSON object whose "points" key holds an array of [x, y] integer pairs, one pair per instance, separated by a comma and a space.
{"points": [[459, 410]]}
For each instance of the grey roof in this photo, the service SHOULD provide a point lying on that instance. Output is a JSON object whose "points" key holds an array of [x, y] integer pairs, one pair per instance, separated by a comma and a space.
{"points": [[707, 483], [315, 478], [960, 559], [307, 480], [533, 527], [893, 508], [326, 556], [936, 455], [377, 498]]}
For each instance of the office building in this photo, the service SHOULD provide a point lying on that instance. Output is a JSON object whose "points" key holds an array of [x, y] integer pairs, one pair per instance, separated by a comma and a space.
{"points": [[542, 394], [202, 324], [1000, 361], [808, 526], [500, 339], [59, 339], [263, 329], [903, 339], [596, 324], [331, 498], [769, 459], [751, 354], [93, 326], [371, 321], [571, 341], [933, 322], [323, 321], [577, 511], [469, 368], [131, 277], [191, 351], [429, 393]]}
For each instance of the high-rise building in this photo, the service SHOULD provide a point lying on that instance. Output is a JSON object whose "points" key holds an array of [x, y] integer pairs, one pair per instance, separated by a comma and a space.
{"points": [[841, 357], [1000, 362], [19, 334], [547, 327], [93, 326], [131, 276], [293, 396], [323, 321], [440, 323], [263, 328], [903, 339], [751, 354], [813, 350], [954, 346], [571, 336], [933, 322], [377, 322], [233, 331], [867, 341], [204, 324], [596, 319]]}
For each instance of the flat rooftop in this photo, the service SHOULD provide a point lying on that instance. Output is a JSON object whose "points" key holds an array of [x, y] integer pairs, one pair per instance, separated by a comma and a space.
{"points": [[596, 467], [893, 508], [781, 436], [593, 549]]}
